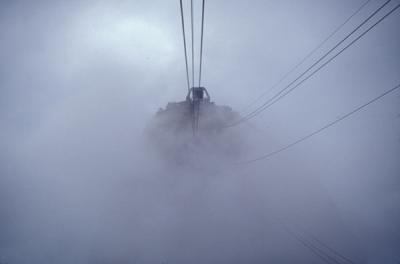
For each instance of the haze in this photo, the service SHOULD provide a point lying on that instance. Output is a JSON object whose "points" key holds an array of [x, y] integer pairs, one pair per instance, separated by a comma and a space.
{"points": [[81, 80]]}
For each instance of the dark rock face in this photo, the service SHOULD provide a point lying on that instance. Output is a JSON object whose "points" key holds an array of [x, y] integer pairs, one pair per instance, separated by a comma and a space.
{"points": [[171, 133]]}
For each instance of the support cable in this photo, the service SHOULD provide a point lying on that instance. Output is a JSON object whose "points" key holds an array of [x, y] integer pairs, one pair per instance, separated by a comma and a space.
{"points": [[261, 108], [317, 252], [194, 118], [338, 254], [315, 132], [279, 97], [321, 252], [191, 17], [201, 41], [307, 56], [184, 46]]}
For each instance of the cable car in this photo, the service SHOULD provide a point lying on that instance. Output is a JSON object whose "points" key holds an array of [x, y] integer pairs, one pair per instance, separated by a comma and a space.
{"points": [[196, 94]]}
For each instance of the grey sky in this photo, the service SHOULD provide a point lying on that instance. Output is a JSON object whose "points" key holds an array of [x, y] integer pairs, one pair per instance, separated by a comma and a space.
{"points": [[79, 81]]}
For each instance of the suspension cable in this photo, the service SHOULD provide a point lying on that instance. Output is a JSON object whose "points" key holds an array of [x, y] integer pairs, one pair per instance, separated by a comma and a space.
{"points": [[191, 17], [332, 250], [261, 108], [316, 251], [201, 42], [184, 47], [280, 96], [307, 56], [317, 131]]}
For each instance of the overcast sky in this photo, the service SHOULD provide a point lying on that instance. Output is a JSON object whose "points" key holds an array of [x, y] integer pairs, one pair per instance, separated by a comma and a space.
{"points": [[80, 80]]}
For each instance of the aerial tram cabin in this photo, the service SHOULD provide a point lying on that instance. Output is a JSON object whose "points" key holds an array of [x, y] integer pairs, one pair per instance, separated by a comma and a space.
{"points": [[198, 94]]}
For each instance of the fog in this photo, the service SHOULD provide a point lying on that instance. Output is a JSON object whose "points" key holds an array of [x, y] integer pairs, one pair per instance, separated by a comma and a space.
{"points": [[80, 181]]}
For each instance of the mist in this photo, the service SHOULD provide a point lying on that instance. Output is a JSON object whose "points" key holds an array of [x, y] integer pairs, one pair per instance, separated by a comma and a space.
{"points": [[81, 181]]}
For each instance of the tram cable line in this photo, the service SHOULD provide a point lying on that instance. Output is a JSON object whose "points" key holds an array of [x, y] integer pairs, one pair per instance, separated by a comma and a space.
{"points": [[192, 31], [194, 117], [184, 45], [201, 41], [335, 252], [321, 129], [306, 57], [191, 81], [196, 92], [313, 248], [277, 95], [276, 99]]}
